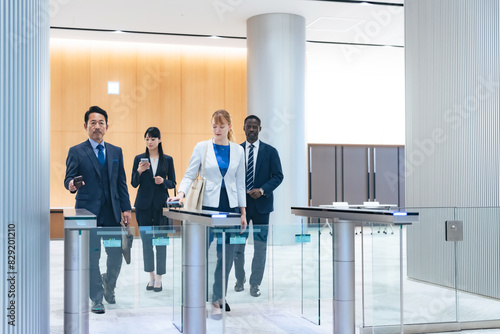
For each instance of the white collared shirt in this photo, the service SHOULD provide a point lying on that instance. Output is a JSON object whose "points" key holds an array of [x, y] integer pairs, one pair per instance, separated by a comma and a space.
{"points": [[96, 150], [255, 152]]}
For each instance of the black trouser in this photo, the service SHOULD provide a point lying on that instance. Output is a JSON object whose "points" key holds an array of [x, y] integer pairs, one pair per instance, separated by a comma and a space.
{"points": [[229, 253], [114, 259], [260, 233], [148, 220]]}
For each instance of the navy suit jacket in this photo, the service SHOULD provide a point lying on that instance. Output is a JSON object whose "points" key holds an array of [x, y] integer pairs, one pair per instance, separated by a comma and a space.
{"points": [[268, 176], [82, 161], [150, 193]]}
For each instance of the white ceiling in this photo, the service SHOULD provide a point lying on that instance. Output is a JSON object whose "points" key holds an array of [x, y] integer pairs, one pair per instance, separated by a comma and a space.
{"points": [[191, 21]]}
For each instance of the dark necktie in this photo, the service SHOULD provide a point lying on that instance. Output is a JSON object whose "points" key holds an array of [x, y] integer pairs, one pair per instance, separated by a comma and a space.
{"points": [[250, 169], [100, 155]]}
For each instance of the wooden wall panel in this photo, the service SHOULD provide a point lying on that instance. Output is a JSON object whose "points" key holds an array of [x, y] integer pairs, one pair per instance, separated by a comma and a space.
{"points": [[148, 88], [236, 90], [172, 87], [202, 90], [117, 63], [70, 91]]}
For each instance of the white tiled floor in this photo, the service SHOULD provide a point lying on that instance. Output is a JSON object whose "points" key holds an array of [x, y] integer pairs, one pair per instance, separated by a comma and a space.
{"points": [[278, 310]]}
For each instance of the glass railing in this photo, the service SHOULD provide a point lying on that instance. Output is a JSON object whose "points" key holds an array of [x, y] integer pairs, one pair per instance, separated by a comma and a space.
{"points": [[453, 281], [404, 275]]}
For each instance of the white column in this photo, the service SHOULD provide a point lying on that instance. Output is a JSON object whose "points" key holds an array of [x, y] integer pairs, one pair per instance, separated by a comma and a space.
{"points": [[24, 167], [276, 89]]}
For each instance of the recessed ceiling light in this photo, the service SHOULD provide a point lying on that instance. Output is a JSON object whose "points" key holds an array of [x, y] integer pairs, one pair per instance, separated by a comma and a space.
{"points": [[113, 87]]}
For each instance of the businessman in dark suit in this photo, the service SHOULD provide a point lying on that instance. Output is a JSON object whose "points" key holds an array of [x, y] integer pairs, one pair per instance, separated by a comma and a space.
{"points": [[263, 175], [104, 193]]}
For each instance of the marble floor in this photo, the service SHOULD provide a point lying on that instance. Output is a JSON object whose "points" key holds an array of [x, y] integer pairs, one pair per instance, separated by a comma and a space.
{"points": [[296, 292]]}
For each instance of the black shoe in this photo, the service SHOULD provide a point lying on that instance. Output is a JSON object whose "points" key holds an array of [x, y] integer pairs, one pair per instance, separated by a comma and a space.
{"points": [[227, 307], [254, 290], [150, 287], [158, 289], [97, 307], [239, 286], [109, 294]]}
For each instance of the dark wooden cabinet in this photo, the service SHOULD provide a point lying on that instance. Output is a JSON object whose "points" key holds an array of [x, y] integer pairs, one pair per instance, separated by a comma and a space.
{"points": [[356, 174]]}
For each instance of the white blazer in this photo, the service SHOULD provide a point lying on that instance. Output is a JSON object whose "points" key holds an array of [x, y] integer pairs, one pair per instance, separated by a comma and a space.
{"points": [[234, 178]]}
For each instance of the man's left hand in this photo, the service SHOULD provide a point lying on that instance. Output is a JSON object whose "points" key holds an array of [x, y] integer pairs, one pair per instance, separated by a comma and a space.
{"points": [[126, 219], [254, 193]]}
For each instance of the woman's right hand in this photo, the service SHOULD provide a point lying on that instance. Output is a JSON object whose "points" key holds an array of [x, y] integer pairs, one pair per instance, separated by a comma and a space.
{"points": [[178, 198], [142, 167]]}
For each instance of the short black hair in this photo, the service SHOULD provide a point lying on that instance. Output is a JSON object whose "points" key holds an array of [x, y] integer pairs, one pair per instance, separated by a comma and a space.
{"points": [[96, 109], [252, 117]]}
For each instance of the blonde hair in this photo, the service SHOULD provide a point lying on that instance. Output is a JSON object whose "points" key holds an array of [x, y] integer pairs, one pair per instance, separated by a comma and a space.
{"points": [[222, 116]]}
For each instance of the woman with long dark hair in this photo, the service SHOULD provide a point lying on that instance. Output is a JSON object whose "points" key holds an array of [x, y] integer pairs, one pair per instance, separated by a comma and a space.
{"points": [[154, 173]]}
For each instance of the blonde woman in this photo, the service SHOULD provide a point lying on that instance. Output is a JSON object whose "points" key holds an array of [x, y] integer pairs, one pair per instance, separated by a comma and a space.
{"points": [[224, 189]]}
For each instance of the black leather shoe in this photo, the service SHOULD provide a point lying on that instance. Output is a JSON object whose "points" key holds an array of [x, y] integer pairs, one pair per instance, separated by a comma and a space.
{"points": [[227, 307], [97, 307], [150, 287], [109, 294], [239, 286], [155, 289], [255, 291]]}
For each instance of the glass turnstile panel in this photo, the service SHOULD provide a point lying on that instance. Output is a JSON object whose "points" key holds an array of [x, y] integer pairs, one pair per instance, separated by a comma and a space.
{"points": [[135, 306], [217, 247], [247, 245], [174, 258], [378, 270], [298, 282], [376, 282], [309, 239]]}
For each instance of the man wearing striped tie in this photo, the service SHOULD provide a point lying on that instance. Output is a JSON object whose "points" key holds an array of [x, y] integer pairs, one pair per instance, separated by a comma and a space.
{"points": [[263, 175]]}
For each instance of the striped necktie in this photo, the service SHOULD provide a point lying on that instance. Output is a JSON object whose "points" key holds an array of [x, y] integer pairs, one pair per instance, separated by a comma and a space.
{"points": [[250, 169]]}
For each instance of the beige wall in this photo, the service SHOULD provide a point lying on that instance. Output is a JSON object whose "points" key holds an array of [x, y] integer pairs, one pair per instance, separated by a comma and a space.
{"points": [[175, 88]]}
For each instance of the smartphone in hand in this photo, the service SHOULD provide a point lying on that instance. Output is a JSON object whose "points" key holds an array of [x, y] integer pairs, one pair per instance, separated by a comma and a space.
{"points": [[175, 204], [77, 181]]}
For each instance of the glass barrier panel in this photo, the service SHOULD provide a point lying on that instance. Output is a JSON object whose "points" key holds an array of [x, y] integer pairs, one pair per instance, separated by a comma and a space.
{"points": [[248, 282], [296, 267], [379, 271], [220, 254], [119, 276], [174, 258], [286, 280], [477, 264], [309, 240], [429, 279], [325, 246]]}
